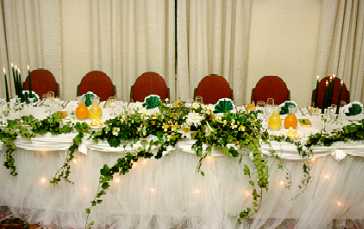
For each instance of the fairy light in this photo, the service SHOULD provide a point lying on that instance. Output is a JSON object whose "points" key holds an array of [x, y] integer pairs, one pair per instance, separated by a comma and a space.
{"points": [[152, 190], [75, 161], [339, 204], [210, 159], [143, 162], [196, 191], [326, 176], [116, 180], [313, 160], [84, 189], [43, 180], [247, 193], [281, 183]]}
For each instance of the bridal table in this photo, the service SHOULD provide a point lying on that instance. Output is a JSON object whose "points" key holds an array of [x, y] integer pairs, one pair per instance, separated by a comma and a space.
{"points": [[169, 193]]}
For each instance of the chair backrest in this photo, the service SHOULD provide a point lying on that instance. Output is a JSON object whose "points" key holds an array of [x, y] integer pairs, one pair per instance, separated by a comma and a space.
{"points": [[147, 84], [270, 87], [345, 96], [212, 88], [97, 82], [43, 82]]}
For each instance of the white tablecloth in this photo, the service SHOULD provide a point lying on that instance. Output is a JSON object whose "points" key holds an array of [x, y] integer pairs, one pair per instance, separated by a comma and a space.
{"points": [[169, 192]]}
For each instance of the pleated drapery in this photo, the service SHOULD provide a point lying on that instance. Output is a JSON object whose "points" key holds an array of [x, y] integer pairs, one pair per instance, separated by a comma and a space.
{"points": [[341, 45]]}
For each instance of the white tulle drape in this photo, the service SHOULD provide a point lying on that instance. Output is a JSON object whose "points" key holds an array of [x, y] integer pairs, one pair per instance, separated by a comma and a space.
{"points": [[341, 43], [131, 37], [169, 193], [213, 37]]}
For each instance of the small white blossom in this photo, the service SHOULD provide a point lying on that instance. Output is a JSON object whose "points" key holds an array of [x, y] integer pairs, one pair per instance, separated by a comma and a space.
{"points": [[194, 119], [195, 105], [115, 131]]}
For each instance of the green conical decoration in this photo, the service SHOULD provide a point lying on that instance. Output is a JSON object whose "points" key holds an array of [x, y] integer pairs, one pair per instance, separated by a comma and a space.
{"points": [[152, 101], [89, 97], [224, 106]]}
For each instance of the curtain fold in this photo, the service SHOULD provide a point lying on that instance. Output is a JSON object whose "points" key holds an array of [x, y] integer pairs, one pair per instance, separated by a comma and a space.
{"points": [[3, 53], [213, 37], [341, 43], [33, 34], [130, 37]]}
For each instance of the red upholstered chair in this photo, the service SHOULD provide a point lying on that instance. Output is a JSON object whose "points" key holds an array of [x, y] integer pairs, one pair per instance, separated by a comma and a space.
{"points": [[43, 82], [212, 88], [147, 84], [97, 82], [345, 96], [270, 87]]}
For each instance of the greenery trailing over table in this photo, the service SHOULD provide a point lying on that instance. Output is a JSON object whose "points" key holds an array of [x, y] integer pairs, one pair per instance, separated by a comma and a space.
{"points": [[28, 127], [153, 130]]}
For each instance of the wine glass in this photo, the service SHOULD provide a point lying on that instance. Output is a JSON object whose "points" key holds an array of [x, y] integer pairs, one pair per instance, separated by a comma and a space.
{"points": [[198, 99], [270, 102], [261, 104]]}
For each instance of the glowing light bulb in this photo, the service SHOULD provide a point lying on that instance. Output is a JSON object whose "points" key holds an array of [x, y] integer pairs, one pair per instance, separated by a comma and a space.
{"points": [[43, 180], [116, 180], [326, 176], [339, 204]]}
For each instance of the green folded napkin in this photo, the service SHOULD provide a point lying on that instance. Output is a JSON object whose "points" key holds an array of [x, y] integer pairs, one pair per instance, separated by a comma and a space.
{"points": [[285, 107], [152, 101], [29, 98], [88, 98], [223, 106], [354, 108]]}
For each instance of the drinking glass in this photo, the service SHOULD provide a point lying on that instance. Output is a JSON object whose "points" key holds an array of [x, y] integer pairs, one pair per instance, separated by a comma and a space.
{"points": [[198, 99], [260, 103], [270, 101]]}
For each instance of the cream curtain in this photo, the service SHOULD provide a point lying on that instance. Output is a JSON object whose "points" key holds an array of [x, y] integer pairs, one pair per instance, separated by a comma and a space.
{"points": [[3, 53], [341, 44], [33, 30], [213, 37], [129, 37]]}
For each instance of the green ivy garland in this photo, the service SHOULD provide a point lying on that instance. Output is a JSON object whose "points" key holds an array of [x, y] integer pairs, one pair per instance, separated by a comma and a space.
{"points": [[65, 170], [234, 134], [28, 127]]}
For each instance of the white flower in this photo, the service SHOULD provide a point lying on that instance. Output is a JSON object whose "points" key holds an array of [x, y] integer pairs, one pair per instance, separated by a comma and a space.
{"points": [[148, 112], [115, 131], [195, 105], [194, 119], [152, 138]]}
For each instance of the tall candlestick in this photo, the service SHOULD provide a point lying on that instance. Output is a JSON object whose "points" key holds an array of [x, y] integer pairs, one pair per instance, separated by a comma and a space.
{"points": [[324, 104], [14, 78], [339, 97], [19, 81], [315, 100], [29, 81], [331, 90], [6, 86]]}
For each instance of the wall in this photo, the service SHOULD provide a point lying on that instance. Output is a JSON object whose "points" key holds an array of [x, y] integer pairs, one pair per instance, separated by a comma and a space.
{"points": [[76, 44], [283, 40]]}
